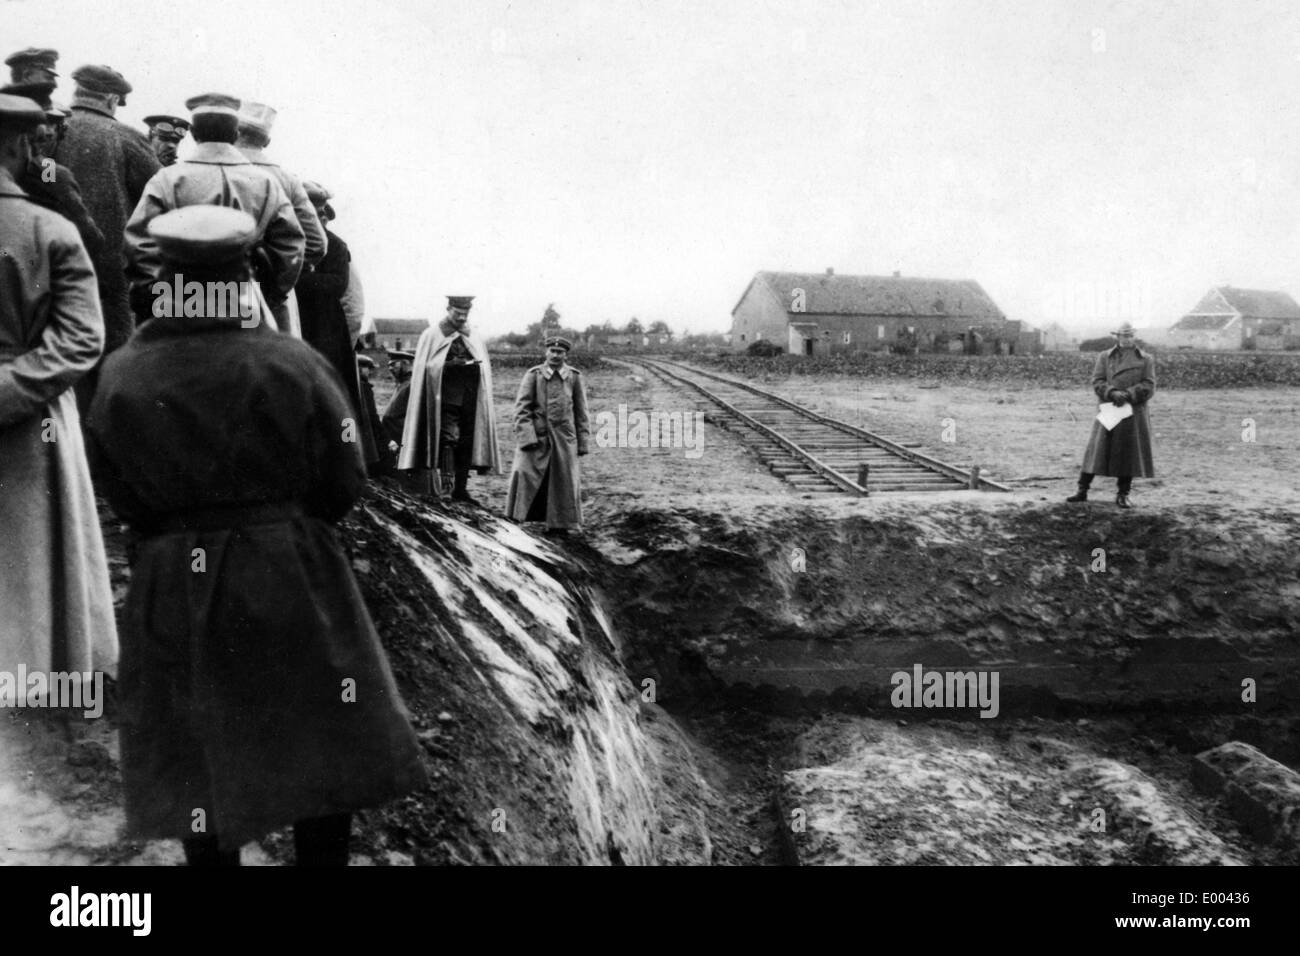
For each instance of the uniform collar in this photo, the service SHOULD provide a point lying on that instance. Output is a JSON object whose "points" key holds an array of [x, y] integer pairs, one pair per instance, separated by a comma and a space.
{"points": [[548, 373], [1116, 350], [257, 155], [7, 185], [216, 154], [90, 107]]}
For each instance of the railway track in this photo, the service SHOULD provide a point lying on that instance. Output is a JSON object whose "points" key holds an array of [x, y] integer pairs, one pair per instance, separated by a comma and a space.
{"points": [[816, 454]]}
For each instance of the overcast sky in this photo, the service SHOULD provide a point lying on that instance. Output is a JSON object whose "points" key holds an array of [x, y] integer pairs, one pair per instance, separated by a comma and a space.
{"points": [[646, 158]]}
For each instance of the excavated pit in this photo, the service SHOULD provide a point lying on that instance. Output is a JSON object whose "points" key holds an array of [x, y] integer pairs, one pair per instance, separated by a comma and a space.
{"points": [[713, 685]]}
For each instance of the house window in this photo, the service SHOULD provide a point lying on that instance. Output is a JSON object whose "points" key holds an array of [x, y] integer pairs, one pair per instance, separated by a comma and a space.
{"points": [[848, 337], [880, 331], [742, 336]]}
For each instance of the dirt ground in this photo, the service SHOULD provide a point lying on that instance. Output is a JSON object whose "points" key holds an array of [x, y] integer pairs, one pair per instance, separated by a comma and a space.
{"points": [[729, 773], [1031, 439]]}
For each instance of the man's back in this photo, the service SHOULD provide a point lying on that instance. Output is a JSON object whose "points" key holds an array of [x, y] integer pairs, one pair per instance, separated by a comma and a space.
{"points": [[217, 174]]}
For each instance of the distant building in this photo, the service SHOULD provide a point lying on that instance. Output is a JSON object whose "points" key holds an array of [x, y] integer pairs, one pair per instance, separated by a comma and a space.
{"points": [[400, 334], [809, 313], [1228, 318]]}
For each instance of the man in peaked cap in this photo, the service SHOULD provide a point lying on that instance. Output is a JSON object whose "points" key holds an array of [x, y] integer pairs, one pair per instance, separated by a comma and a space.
{"points": [[322, 293], [256, 120], [46, 182], [1123, 376], [230, 440], [552, 429], [56, 601], [450, 426], [216, 174], [165, 134], [33, 66], [111, 162]]}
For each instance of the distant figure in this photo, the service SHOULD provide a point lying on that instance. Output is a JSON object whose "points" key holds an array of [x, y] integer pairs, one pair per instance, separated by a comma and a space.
{"points": [[553, 433], [450, 426], [165, 134], [56, 605], [1125, 375], [394, 417], [254, 686]]}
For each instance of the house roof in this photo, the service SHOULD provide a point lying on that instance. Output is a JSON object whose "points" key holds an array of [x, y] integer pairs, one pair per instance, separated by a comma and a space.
{"points": [[400, 326], [1260, 304], [1203, 323], [1224, 302], [878, 295]]}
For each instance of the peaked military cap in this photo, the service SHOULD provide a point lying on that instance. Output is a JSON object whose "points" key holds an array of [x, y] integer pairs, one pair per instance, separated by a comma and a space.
{"points": [[203, 234], [558, 342], [102, 79], [396, 355], [316, 192], [257, 116], [32, 57], [213, 103], [168, 127], [365, 361], [38, 92], [460, 301], [19, 112]]}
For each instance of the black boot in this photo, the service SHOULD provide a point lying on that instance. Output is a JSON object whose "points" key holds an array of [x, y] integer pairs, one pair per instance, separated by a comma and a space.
{"points": [[459, 491], [1085, 481], [1121, 497]]}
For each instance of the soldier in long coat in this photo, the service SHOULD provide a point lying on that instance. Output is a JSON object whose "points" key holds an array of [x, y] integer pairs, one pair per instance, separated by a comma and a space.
{"points": [[56, 606], [450, 425], [254, 687], [112, 163], [46, 182], [1125, 375], [552, 431], [217, 174]]}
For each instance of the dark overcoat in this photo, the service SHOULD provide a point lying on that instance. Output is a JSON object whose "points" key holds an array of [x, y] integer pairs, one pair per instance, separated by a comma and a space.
{"points": [[551, 430], [253, 683], [325, 327], [112, 163], [1125, 450]]}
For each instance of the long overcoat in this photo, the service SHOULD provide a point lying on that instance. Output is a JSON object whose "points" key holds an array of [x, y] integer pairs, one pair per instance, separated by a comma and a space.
{"points": [[253, 683], [312, 228], [112, 163], [423, 425], [217, 174], [1125, 450], [551, 430], [56, 605]]}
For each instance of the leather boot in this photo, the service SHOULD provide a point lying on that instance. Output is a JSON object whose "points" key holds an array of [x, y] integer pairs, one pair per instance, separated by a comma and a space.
{"points": [[1121, 488], [459, 491], [1080, 495]]}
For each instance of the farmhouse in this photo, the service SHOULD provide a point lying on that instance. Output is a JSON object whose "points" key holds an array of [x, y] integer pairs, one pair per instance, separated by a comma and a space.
{"points": [[809, 313], [400, 334], [1228, 318]]}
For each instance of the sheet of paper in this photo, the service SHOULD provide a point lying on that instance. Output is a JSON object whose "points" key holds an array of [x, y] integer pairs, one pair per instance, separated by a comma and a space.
{"points": [[1110, 414]]}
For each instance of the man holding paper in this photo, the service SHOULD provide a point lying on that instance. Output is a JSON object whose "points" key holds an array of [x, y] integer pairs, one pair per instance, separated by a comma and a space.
{"points": [[1120, 446]]}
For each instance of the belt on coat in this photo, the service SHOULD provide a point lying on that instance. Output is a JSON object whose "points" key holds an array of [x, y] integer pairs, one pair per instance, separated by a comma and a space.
{"points": [[226, 517]]}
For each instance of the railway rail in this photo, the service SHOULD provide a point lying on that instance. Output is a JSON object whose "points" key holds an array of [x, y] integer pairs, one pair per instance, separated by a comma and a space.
{"points": [[811, 452]]}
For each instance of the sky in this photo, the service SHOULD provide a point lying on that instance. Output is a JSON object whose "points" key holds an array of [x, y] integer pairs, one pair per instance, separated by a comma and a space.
{"points": [[1085, 161]]}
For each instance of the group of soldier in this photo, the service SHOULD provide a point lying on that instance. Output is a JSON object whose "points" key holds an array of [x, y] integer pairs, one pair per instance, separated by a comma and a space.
{"points": [[229, 439]]}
